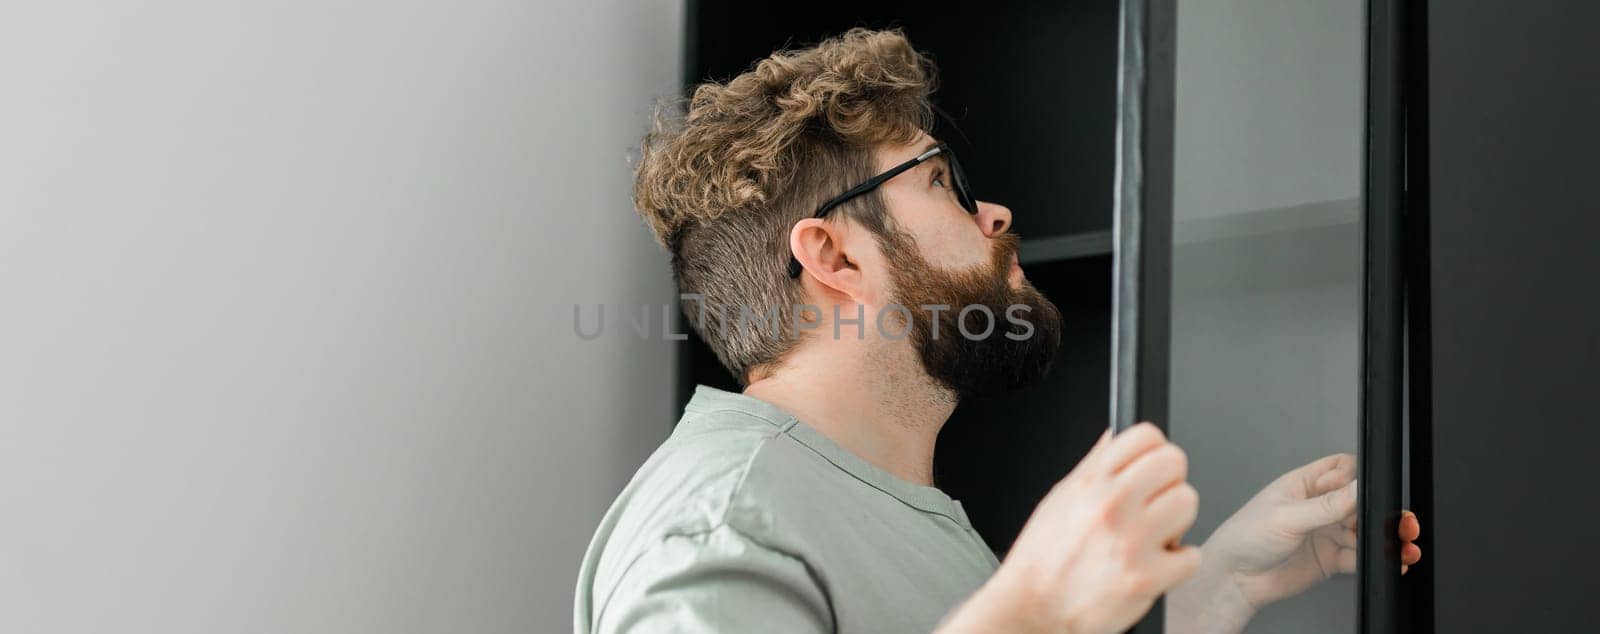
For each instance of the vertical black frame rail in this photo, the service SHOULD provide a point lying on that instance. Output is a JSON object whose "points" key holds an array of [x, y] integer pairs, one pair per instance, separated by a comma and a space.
{"points": [[1383, 321], [1142, 226], [1142, 220], [1416, 588]]}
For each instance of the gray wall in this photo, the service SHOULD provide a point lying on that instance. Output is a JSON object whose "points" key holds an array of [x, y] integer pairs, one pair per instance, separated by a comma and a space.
{"points": [[286, 339]]}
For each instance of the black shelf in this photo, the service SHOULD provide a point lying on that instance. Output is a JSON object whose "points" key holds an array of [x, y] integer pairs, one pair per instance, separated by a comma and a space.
{"points": [[1068, 247]]}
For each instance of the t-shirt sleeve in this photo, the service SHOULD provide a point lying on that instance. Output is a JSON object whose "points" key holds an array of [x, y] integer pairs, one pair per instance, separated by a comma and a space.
{"points": [[715, 581]]}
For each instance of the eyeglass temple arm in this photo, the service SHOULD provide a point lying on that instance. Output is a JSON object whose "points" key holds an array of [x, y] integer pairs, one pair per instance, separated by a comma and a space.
{"points": [[872, 183]]}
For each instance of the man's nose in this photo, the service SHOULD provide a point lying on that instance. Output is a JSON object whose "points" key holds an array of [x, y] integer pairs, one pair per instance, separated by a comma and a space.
{"points": [[993, 219]]}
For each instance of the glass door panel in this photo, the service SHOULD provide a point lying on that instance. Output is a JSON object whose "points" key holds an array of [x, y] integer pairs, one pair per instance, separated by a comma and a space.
{"points": [[1266, 275]]}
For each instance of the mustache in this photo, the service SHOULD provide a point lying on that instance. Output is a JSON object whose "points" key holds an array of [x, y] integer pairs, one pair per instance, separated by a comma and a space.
{"points": [[1006, 246]]}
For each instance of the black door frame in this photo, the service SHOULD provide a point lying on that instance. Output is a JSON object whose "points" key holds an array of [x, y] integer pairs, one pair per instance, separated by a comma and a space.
{"points": [[1383, 322], [1142, 226], [1143, 265], [1416, 588]]}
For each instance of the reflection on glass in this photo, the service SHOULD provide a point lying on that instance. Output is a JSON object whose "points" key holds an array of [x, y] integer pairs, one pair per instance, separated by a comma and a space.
{"points": [[1266, 317]]}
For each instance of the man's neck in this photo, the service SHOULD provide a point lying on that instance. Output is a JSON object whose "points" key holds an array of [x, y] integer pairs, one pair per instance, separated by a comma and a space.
{"points": [[874, 400]]}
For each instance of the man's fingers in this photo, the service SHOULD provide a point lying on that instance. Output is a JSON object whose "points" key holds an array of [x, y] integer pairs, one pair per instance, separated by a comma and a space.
{"points": [[1172, 513], [1174, 566], [1096, 453], [1314, 469], [1329, 508], [1410, 528], [1341, 535], [1128, 445], [1410, 553], [1328, 473], [1153, 473]]}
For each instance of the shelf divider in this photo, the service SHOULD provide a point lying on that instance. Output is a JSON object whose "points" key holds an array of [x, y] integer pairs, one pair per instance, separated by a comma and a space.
{"points": [[1067, 247]]}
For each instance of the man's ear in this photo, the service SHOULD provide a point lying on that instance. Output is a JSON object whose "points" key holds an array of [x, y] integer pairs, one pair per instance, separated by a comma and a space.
{"points": [[820, 247]]}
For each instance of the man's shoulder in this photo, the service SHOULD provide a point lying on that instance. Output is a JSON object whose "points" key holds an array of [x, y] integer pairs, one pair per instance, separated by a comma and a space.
{"points": [[726, 469], [722, 465], [688, 483], [690, 502]]}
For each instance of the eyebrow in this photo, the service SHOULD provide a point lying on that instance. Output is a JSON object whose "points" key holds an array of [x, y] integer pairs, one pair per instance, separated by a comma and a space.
{"points": [[942, 159]]}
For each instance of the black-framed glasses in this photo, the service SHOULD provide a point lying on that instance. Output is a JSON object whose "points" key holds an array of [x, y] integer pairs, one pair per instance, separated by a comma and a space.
{"points": [[958, 181]]}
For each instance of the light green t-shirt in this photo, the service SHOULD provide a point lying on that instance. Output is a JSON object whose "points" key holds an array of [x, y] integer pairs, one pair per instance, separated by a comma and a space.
{"points": [[747, 520]]}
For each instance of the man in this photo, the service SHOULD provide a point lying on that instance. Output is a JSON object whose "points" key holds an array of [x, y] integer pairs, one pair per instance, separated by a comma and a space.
{"points": [[835, 262]]}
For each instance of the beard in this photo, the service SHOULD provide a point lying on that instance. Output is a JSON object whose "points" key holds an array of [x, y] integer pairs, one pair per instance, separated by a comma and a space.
{"points": [[953, 348]]}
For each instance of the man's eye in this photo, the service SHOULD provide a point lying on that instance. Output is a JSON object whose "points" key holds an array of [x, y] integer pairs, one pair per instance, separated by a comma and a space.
{"points": [[938, 179]]}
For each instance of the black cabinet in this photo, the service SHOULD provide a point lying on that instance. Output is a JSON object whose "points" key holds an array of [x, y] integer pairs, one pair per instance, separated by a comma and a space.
{"points": [[1342, 226], [1507, 138]]}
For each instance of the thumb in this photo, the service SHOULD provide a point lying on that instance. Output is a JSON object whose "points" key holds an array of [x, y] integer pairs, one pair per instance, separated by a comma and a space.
{"points": [[1313, 513]]}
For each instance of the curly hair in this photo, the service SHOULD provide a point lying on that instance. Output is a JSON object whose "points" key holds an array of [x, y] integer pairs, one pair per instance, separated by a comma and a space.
{"points": [[721, 183]]}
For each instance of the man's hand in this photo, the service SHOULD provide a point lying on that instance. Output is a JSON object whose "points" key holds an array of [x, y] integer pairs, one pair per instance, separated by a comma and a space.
{"points": [[1099, 548], [1295, 533]]}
